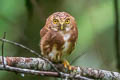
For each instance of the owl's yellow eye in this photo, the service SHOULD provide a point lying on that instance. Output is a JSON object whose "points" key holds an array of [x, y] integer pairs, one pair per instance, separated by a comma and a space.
{"points": [[55, 21], [67, 21]]}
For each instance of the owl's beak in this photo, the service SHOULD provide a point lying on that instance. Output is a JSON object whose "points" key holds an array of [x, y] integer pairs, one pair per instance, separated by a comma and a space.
{"points": [[61, 27]]}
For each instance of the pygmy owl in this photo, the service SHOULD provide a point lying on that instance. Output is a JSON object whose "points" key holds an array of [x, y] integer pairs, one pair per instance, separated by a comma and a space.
{"points": [[58, 37]]}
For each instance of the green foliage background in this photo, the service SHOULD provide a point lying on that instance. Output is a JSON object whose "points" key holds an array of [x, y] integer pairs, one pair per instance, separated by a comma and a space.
{"points": [[23, 19]]}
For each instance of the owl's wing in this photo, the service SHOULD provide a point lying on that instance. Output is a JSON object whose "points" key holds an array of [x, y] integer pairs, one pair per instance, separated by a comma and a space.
{"points": [[49, 40], [43, 31], [53, 37]]}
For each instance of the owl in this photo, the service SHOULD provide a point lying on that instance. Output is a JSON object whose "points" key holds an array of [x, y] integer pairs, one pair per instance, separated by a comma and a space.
{"points": [[58, 37]]}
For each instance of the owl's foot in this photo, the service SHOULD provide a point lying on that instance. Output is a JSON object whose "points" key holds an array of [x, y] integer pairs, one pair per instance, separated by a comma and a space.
{"points": [[67, 65]]}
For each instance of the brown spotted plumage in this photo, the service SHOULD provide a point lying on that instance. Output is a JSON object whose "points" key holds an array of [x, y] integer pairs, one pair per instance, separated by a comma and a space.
{"points": [[58, 37]]}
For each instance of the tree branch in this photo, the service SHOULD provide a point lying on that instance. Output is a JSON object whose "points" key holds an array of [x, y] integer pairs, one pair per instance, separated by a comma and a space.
{"points": [[32, 51], [38, 66]]}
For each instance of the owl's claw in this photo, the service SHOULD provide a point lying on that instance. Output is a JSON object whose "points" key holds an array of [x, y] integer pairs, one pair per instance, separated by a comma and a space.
{"points": [[67, 65]]}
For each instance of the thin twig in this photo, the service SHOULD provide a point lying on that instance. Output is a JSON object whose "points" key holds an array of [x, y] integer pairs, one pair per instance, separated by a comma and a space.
{"points": [[3, 50], [83, 53], [41, 73], [117, 32], [32, 51]]}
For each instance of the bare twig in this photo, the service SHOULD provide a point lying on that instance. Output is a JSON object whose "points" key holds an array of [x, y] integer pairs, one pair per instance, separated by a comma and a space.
{"points": [[80, 55], [117, 32], [41, 73], [3, 49]]}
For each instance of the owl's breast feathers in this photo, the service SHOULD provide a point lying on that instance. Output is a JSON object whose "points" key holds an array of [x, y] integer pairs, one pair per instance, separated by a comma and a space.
{"points": [[55, 45]]}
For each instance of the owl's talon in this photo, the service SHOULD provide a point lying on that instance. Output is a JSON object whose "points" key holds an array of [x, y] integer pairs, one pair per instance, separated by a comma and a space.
{"points": [[67, 65]]}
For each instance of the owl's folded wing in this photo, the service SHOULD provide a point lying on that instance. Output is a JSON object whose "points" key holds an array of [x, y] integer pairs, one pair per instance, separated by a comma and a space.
{"points": [[43, 31]]}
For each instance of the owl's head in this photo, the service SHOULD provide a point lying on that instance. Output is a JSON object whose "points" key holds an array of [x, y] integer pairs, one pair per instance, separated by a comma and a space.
{"points": [[60, 21]]}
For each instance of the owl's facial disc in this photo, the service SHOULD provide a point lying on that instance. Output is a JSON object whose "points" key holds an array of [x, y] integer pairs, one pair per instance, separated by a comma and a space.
{"points": [[61, 23], [58, 24]]}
